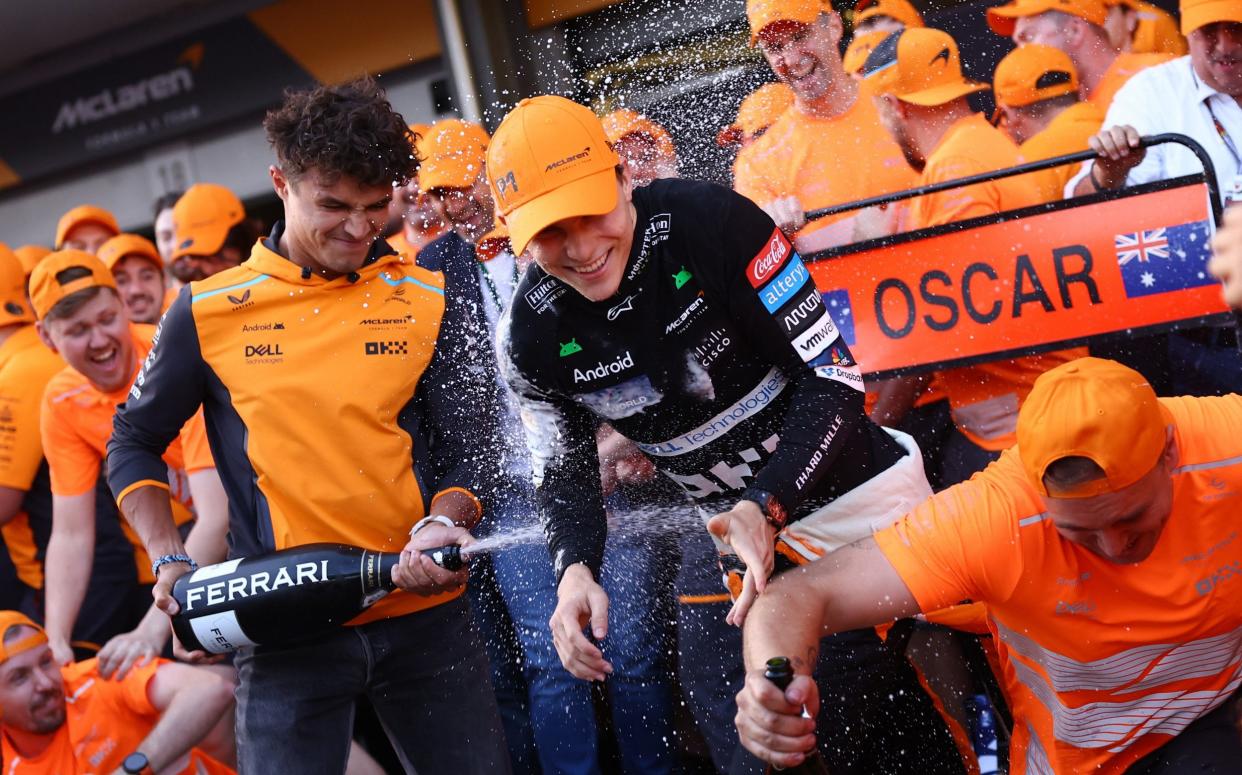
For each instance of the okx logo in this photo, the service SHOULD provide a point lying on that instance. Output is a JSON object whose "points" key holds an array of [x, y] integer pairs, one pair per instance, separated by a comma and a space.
{"points": [[570, 347], [387, 348]]}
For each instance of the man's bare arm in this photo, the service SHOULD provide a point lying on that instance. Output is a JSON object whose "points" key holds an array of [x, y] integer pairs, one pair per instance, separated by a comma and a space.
{"points": [[70, 559], [190, 701], [149, 512]]}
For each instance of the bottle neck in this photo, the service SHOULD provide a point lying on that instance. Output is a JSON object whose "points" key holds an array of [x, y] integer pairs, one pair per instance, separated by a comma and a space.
{"points": [[377, 571]]}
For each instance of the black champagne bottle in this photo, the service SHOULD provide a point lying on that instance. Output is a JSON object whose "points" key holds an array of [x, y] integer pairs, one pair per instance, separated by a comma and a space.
{"points": [[286, 597], [779, 671]]}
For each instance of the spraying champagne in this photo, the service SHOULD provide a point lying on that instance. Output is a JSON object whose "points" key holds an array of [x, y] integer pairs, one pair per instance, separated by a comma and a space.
{"points": [[285, 597]]}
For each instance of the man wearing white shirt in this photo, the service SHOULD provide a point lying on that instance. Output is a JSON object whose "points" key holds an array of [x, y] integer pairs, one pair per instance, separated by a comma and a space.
{"points": [[1198, 96]]}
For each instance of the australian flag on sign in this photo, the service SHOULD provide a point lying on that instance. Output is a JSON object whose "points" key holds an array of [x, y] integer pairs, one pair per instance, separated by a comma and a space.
{"points": [[1161, 260]]}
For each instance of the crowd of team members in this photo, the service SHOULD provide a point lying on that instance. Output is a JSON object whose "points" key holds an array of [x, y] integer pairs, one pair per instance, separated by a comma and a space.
{"points": [[890, 113]]}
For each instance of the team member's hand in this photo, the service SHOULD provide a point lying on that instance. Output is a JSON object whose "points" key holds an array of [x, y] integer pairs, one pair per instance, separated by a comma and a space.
{"points": [[418, 574], [621, 462], [579, 601], [746, 530], [132, 649], [194, 657], [1226, 263], [770, 722], [162, 591], [62, 652], [787, 212], [1119, 151]]}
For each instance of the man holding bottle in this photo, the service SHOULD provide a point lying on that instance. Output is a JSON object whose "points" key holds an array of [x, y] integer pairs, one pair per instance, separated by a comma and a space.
{"points": [[323, 366]]}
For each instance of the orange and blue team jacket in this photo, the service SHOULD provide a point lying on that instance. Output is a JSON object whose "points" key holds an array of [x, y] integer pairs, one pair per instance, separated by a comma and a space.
{"points": [[323, 400]]}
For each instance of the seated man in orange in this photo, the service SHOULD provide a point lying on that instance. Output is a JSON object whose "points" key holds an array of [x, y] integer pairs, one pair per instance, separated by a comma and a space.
{"points": [[70, 720], [1105, 548]]}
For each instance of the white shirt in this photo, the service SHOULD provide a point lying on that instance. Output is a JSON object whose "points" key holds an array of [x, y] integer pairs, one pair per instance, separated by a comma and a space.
{"points": [[1171, 97], [501, 271]]}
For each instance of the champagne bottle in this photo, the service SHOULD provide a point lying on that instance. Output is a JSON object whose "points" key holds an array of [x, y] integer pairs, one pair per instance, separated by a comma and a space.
{"points": [[780, 672], [285, 597]]}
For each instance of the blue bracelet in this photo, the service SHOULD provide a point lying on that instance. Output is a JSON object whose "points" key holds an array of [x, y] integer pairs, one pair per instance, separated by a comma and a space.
{"points": [[171, 558]]}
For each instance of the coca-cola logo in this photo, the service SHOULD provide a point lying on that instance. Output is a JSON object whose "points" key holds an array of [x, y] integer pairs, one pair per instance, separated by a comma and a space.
{"points": [[769, 260]]}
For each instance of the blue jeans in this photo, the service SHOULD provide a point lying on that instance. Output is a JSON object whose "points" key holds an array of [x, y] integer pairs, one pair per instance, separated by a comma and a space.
{"points": [[425, 674], [547, 713]]}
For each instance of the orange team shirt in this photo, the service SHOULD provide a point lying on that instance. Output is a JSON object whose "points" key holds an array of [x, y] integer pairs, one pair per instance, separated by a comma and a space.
{"points": [[1067, 133], [105, 721], [1157, 32], [1121, 70], [823, 162], [984, 398], [1103, 663], [76, 423], [26, 366]]}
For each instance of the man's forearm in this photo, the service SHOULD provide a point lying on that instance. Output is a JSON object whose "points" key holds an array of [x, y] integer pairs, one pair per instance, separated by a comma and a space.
{"points": [[191, 714], [149, 512], [782, 624], [208, 541], [70, 557]]}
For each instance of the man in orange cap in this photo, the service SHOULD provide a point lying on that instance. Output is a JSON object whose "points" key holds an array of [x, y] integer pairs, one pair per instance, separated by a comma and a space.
{"points": [[29, 255], [81, 317], [73, 720], [1077, 28], [1142, 28], [643, 145], [85, 228], [1105, 547], [420, 221], [1036, 90], [451, 175], [139, 272], [885, 16], [758, 111], [210, 232], [915, 78], [682, 316]]}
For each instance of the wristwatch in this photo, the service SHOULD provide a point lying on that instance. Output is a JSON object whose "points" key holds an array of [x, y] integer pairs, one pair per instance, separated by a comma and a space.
{"points": [[772, 509], [136, 764]]}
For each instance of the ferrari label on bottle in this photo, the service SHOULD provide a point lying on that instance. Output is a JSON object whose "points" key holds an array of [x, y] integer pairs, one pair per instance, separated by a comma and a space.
{"points": [[226, 591]]}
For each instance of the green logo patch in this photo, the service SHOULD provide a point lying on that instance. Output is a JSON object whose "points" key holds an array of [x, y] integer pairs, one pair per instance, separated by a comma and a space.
{"points": [[571, 347], [682, 277]]}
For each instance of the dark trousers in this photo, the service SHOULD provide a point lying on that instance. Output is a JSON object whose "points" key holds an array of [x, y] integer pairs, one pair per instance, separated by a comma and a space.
{"points": [[425, 674], [1210, 745]]}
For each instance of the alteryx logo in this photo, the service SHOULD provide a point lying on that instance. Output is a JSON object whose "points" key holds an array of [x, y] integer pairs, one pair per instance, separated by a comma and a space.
{"points": [[782, 287], [131, 96]]}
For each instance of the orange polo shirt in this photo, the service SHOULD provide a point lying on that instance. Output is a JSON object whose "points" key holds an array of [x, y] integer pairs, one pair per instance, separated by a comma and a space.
{"points": [[105, 721], [823, 162], [1067, 133], [26, 366], [979, 394], [76, 423], [1103, 662], [1121, 70]]}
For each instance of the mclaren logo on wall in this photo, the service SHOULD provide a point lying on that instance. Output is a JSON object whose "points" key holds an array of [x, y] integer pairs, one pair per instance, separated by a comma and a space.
{"points": [[130, 96]]}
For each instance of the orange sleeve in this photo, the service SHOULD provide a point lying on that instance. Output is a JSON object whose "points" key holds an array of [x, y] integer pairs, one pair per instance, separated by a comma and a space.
{"points": [[748, 179], [195, 451], [134, 693], [72, 462], [955, 204], [962, 543], [21, 443]]}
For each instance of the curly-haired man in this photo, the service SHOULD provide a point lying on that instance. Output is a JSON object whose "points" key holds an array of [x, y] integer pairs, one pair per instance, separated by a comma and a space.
{"points": [[323, 363]]}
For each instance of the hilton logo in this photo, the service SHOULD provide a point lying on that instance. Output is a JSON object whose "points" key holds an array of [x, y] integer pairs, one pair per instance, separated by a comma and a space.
{"points": [[387, 348]]}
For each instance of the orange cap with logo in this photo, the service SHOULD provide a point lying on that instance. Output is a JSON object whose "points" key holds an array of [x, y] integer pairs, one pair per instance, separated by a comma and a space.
{"points": [[453, 154], [1001, 19], [13, 305], [901, 10], [46, 291], [30, 255], [11, 619], [1033, 73], [1200, 13], [761, 13], [1097, 409], [123, 245], [550, 160], [919, 65], [860, 48], [757, 112], [202, 218], [84, 214], [623, 121]]}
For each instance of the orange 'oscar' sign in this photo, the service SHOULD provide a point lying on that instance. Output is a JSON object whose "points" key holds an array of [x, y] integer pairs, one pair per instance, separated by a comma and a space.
{"points": [[1021, 283]]}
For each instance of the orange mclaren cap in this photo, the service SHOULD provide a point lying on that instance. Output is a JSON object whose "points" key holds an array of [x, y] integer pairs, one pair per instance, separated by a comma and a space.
{"points": [[30, 255], [550, 160], [1033, 73], [1001, 19], [623, 121], [11, 619], [46, 291], [1200, 13], [493, 243], [13, 306], [762, 107], [453, 153], [901, 10], [860, 48], [122, 245], [84, 214], [1097, 409], [919, 65], [761, 13], [202, 218]]}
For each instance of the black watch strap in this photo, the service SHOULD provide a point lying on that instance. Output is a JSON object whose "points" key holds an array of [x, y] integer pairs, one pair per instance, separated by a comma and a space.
{"points": [[773, 511]]}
